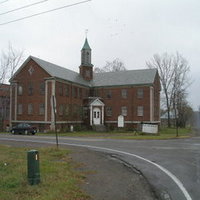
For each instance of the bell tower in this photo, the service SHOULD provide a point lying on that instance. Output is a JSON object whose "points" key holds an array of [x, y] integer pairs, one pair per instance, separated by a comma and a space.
{"points": [[86, 67]]}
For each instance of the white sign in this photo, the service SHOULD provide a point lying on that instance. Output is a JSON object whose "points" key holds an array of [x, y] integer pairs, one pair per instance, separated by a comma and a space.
{"points": [[149, 128], [120, 121]]}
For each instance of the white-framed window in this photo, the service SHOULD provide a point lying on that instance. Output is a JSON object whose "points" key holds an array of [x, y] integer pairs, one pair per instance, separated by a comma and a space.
{"points": [[140, 111], [140, 93], [19, 109], [20, 90], [124, 110], [124, 93], [108, 111], [41, 109], [30, 109]]}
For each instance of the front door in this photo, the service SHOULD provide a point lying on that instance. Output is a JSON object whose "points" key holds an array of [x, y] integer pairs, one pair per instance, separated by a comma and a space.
{"points": [[96, 116]]}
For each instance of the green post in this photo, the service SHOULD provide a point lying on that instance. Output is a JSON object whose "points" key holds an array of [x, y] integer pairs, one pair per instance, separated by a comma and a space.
{"points": [[33, 167]]}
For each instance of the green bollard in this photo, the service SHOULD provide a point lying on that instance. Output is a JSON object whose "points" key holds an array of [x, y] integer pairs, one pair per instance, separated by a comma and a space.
{"points": [[33, 167]]}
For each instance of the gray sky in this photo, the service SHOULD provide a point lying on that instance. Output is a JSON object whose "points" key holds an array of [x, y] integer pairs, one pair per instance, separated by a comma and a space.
{"points": [[131, 30]]}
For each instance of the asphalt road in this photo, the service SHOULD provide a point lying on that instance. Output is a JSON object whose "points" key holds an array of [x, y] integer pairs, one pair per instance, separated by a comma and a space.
{"points": [[172, 167]]}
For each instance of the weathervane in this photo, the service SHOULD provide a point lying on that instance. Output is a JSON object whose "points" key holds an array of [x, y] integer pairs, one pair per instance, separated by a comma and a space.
{"points": [[86, 32]]}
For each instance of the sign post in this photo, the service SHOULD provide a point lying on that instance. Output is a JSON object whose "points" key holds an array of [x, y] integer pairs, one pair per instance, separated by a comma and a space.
{"points": [[55, 111]]}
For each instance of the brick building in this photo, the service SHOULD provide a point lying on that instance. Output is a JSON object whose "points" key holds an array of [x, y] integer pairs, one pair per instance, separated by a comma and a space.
{"points": [[4, 106], [83, 98]]}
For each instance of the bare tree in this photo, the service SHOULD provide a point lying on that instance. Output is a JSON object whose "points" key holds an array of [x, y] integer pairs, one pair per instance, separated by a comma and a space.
{"points": [[174, 77], [10, 59], [114, 66]]}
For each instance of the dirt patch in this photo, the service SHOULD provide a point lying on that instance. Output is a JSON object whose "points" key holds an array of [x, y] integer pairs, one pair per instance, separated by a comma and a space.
{"points": [[111, 179]]}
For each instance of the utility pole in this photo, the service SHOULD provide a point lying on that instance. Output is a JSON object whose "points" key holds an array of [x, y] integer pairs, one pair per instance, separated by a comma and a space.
{"points": [[55, 111]]}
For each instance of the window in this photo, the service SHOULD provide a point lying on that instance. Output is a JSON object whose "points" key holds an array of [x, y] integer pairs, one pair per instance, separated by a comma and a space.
{"points": [[66, 90], [19, 109], [30, 89], [66, 110], [61, 90], [42, 88], [61, 109], [108, 94], [20, 90], [108, 111], [30, 109], [87, 73], [95, 93], [124, 93], [80, 92], [140, 111], [86, 93], [140, 93], [74, 92], [124, 110], [41, 109]]}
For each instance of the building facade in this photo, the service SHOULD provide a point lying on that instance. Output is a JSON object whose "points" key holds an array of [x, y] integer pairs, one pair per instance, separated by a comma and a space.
{"points": [[4, 106], [43, 93]]}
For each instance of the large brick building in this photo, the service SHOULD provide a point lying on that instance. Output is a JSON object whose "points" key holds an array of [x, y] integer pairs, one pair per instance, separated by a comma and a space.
{"points": [[83, 98]]}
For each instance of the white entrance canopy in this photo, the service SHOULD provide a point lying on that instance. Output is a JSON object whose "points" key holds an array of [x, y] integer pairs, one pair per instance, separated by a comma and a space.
{"points": [[96, 112]]}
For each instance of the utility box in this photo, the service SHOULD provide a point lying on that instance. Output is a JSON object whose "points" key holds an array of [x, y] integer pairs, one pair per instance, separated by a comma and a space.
{"points": [[33, 167]]}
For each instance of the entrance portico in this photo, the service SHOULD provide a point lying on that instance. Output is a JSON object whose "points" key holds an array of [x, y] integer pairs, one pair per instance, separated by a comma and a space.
{"points": [[96, 112]]}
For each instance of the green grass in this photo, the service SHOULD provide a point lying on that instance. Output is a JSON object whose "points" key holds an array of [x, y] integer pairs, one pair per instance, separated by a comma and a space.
{"points": [[164, 133], [59, 179]]}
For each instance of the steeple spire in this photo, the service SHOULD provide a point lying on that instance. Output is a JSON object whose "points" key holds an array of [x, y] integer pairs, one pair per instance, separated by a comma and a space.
{"points": [[86, 46], [86, 68]]}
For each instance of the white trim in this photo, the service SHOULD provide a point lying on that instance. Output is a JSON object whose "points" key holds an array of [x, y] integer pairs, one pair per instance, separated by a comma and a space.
{"points": [[133, 122], [15, 116], [102, 115], [46, 101], [46, 122], [151, 104], [53, 89], [91, 115], [97, 102], [10, 117]]}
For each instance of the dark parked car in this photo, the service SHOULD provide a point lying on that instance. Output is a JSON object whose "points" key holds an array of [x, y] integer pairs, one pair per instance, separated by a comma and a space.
{"points": [[24, 129]]}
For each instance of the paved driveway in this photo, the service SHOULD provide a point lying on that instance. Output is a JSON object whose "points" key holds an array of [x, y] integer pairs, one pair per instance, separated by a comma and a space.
{"points": [[171, 166]]}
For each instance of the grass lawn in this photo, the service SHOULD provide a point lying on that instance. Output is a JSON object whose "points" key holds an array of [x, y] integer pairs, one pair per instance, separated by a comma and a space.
{"points": [[59, 180], [165, 133]]}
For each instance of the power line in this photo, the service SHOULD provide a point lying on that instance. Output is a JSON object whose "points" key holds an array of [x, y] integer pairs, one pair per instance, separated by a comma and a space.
{"points": [[4, 1], [20, 8], [41, 13]]}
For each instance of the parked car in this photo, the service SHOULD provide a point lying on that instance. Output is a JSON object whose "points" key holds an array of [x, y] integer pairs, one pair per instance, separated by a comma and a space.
{"points": [[24, 128]]}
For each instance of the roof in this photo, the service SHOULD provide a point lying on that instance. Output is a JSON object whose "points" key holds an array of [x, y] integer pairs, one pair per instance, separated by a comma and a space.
{"points": [[86, 46], [55, 71], [129, 77], [120, 78]]}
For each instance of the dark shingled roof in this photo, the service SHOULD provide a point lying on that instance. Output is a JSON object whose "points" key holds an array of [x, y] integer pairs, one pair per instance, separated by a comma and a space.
{"points": [[120, 78], [129, 77], [60, 72]]}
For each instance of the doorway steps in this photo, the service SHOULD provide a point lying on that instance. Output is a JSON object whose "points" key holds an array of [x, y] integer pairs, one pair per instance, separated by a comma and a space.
{"points": [[99, 128]]}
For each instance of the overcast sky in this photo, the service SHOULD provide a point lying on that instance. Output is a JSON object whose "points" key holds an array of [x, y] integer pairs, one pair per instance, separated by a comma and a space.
{"points": [[131, 30]]}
